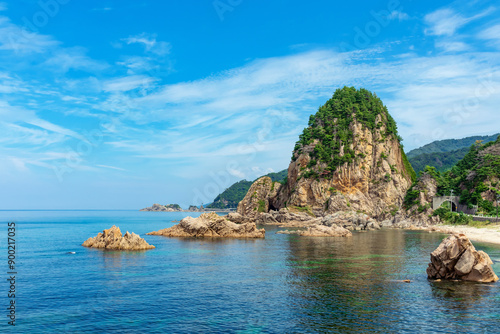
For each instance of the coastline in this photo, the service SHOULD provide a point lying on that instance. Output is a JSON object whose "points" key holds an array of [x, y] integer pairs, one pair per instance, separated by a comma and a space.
{"points": [[484, 234]]}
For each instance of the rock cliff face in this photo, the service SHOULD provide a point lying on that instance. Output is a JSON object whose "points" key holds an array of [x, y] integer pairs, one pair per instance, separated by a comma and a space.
{"points": [[211, 225], [112, 239], [348, 158], [418, 201], [257, 199], [194, 208], [456, 258]]}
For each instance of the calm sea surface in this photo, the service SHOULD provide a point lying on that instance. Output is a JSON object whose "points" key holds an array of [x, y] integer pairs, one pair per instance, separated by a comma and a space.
{"points": [[281, 284]]}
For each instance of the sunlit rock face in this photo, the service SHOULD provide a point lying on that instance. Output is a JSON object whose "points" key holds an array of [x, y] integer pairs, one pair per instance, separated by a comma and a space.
{"points": [[456, 258], [112, 239]]}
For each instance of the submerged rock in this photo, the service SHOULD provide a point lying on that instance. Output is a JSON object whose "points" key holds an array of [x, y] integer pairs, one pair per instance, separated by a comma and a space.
{"points": [[456, 258], [321, 231], [211, 225], [112, 239]]}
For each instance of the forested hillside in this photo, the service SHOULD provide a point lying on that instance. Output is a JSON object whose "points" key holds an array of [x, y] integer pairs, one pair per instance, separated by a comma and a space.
{"points": [[444, 154], [230, 197], [475, 178]]}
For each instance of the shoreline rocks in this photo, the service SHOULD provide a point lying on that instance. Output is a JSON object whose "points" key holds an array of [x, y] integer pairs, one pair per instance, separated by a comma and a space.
{"points": [[176, 208], [112, 239], [211, 225], [457, 258], [321, 231], [351, 221]]}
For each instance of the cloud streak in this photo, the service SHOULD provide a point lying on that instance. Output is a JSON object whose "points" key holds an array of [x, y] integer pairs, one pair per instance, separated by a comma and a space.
{"points": [[447, 21]]}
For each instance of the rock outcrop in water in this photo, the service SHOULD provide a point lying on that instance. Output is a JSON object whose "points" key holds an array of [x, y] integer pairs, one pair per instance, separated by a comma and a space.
{"points": [[456, 258], [349, 158], [257, 198], [211, 225], [112, 239], [163, 208]]}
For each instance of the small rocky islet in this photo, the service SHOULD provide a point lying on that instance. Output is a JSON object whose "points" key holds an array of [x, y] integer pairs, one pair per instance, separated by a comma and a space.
{"points": [[112, 239], [172, 208], [457, 259]]}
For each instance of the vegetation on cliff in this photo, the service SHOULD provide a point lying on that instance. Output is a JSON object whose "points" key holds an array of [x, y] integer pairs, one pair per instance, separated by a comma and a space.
{"points": [[230, 197], [331, 132], [475, 178]]}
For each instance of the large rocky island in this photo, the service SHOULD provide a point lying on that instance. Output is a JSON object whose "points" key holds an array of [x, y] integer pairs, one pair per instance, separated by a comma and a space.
{"points": [[348, 162]]}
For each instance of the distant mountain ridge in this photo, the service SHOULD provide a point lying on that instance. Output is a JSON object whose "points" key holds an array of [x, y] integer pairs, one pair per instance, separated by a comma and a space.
{"points": [[444, 154], [230, 197], [448, 145]]}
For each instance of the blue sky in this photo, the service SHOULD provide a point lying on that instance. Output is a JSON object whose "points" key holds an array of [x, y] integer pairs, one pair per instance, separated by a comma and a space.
{"points": [[121, 104]]}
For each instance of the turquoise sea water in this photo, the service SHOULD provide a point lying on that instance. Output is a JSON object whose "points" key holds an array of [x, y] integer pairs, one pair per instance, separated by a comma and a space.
{"points": [[280, 284]]}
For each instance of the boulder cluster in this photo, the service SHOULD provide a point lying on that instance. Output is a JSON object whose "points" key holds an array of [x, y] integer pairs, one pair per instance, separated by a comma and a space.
{"points": [[211, 225], [456, 258], [321, 231], [287, 217]]}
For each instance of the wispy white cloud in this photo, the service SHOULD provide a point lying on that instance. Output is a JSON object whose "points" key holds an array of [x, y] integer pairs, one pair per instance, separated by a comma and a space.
{"points": [[3, 6], [452, 46], [237, 173], [492, 35], [398, 15], [446, 21], [21, 41], [492, 32], [14, 134], [154, 61], [56, 128], [15, 118], [73, 58], [127, 83], [150, 43], [111, 167]]}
